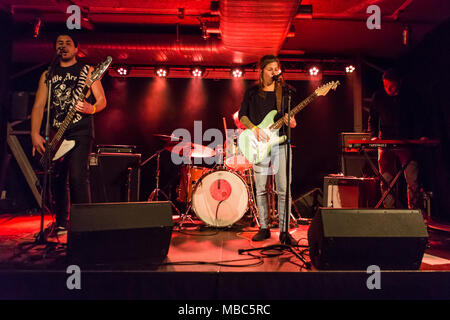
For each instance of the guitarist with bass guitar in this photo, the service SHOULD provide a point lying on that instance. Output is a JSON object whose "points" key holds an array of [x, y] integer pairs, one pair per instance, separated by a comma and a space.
{"points": [[67, 83]]}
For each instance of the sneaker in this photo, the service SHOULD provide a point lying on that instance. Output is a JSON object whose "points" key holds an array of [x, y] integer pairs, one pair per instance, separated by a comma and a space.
{"points": [[286, 238], [262, 234], [58, 230], [61, 229]]}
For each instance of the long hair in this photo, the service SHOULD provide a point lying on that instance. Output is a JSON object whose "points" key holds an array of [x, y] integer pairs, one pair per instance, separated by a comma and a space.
{"points": [[263, 62]]}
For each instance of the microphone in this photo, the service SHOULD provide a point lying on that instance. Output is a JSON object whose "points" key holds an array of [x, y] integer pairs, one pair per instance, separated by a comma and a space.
{"points": [[276, 77], [60, 50]]}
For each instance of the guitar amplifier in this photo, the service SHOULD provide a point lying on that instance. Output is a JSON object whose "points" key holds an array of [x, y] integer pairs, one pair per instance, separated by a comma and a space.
{"points": [[107, 148], [350, 192], [353, 163], [114, 177]]}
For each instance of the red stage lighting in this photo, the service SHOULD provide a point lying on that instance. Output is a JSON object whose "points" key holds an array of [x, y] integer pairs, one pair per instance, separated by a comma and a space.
{"points": [[197, 72], [313, 71], [349, 69], [37, 27], [237, 73], [162, 72], [123, 71]]}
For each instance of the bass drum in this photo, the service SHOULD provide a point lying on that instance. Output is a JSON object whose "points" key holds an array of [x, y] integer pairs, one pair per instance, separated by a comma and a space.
{"points": [[220, 198]]}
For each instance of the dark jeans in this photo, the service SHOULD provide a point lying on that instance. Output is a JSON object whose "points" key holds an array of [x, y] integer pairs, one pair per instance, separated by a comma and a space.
{"points": [[73, 167], [387, 160]]}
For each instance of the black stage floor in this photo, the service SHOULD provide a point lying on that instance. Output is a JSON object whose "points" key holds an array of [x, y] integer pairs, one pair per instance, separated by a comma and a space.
{"points": [[204, 264]]}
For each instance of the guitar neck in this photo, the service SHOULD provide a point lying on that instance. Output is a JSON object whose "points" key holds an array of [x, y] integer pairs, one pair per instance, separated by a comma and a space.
{"points": [[69, 117], [277, 125]]}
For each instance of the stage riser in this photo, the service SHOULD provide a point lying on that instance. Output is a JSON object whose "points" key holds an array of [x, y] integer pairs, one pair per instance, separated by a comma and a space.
{"points": [[225, 285]]}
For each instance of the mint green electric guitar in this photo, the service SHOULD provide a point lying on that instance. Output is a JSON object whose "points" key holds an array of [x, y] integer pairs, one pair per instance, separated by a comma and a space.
{"points": [[256, 151]]}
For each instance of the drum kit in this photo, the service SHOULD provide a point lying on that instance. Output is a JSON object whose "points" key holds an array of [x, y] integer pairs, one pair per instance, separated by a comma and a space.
{"points": [[219, 196]]}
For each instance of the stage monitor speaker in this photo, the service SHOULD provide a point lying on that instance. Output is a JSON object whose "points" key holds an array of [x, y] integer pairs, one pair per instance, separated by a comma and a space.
{"points": [[353, 163], [119, 233], [114, 177], [308, 204], [354, 239]]}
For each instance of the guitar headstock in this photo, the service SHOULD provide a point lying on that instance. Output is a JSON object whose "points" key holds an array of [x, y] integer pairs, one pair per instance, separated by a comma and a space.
{"points": [[100, 70], [323, 90]]}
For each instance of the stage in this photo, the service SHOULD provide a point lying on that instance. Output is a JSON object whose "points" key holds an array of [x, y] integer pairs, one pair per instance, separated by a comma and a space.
{"points": [[203, 263]]}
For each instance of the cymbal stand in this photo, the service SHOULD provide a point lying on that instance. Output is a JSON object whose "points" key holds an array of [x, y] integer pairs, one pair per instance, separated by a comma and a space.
{"points": [[154, 196]]}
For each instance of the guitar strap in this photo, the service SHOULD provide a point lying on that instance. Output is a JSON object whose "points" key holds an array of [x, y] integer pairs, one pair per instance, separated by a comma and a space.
{"points": [[278, 95]]}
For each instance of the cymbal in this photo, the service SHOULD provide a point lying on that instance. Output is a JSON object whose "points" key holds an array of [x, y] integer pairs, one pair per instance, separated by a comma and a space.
{"points": [[191, 150], [167, 138]]}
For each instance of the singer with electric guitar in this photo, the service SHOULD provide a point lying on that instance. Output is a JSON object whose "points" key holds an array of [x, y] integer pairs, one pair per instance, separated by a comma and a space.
{"points": [[258, 101], [263, 143], [68, 82]]}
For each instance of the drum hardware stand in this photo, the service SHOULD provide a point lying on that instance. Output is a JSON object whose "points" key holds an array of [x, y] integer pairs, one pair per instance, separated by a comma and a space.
{"points": [[272, 193], [186, 214], [252, 201], [156, 191], [427, 195]]}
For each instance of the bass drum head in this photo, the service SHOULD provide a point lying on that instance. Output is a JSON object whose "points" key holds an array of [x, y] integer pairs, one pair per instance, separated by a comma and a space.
{"points": [[220, 198]]}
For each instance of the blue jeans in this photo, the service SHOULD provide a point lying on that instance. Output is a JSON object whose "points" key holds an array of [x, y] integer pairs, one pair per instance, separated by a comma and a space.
{"points": [[275, 164]]}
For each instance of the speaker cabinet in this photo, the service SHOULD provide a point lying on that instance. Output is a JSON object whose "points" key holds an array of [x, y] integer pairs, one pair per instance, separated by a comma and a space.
{"points": [[345, 239], [121, 233], [114, 177], [21, 105], [350, 192], [353, 163]]}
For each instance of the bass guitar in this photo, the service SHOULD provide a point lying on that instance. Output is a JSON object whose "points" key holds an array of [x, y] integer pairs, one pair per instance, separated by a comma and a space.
{"points": [[58, 147]]}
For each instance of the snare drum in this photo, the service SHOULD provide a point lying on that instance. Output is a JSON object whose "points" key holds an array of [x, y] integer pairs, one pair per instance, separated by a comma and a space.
{"points": [[235, 159], [220, 198], [189, 176]]}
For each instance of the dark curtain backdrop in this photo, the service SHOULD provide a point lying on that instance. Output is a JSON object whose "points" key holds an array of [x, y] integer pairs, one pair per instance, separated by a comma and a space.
{"points": [[138, 108], [427, 72], [6, 26]]}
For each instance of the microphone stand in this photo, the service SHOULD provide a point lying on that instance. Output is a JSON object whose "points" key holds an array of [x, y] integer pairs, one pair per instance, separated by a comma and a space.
{"points": [[41, 237], [288, 161]]}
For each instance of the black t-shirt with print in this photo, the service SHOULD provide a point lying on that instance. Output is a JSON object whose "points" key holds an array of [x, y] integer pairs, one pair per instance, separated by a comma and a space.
{"points": [[67, 85]]}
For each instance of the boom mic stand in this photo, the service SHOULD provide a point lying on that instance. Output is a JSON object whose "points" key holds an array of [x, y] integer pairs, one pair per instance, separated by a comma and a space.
{"points": [[41, 237]]}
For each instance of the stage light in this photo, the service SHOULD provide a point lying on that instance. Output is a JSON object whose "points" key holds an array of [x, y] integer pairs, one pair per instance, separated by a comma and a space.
{"points": [[37, 27], [162, 72], [123, 71], [349, 69], [406, 35], [313, 71], [237, 73], [197, 72]]}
